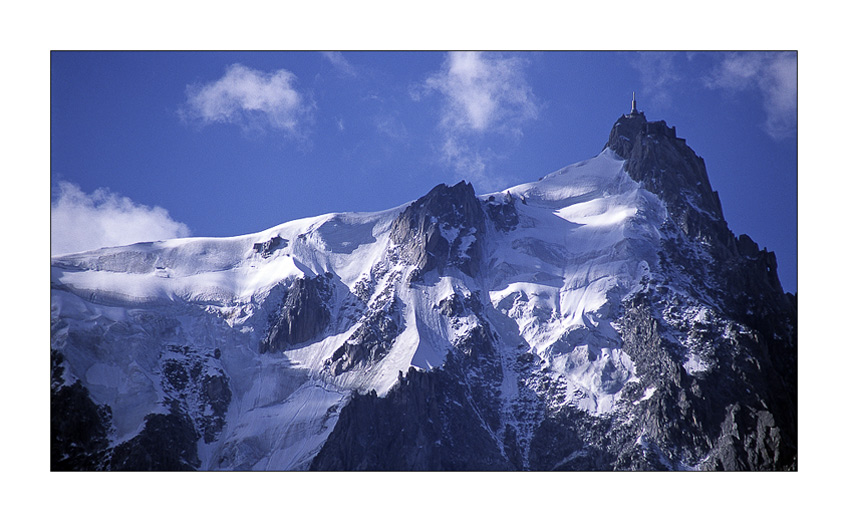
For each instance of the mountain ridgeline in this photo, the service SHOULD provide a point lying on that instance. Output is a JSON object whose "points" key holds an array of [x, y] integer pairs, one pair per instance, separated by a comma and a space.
{"points": [[602, 318]]}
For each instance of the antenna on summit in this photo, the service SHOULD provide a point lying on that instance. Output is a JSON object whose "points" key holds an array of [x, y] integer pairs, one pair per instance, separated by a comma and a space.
{"points": [[633, 111]]}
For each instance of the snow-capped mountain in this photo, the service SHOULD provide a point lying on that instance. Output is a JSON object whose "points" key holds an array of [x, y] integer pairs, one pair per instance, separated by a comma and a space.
{"points": [[603, 317]]}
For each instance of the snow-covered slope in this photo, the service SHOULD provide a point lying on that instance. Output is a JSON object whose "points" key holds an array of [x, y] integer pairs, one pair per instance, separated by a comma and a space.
{"points": [[242, 353], [586, 235]]}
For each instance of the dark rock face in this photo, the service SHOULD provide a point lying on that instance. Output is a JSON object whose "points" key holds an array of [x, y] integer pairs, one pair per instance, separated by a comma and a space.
{"points": [[302, 316], [368, 344], [666, 166], [197, 395], [168, 442], [571, 441], [200, 385], [724, 418], [687, 416], [477, 363], [445, 419], [79, 428], [426, 422], [265, 249], [442, 229], [742, 277], [502, 215], [743, 414]]}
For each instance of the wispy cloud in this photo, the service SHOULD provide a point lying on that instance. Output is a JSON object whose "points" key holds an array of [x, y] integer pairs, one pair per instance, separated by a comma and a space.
{"points": [[391, 126], [774, 76], [80, 221], [481, 94], [658, 74], [252, 99], [340, 63], [465, 159]]}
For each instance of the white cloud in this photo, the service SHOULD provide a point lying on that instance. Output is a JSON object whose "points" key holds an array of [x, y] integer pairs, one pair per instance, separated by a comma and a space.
{"points": [[80, 221], [390, 126], [251, 99], [340, 63], [466, 161], [774, 76], [472, 164], [658, 74], [482, 94]]}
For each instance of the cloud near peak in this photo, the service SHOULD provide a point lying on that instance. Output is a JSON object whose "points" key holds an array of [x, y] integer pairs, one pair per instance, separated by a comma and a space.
{"points": [[80, 221], [774, 76], [659, 76], [251, 98], [482, 94]]}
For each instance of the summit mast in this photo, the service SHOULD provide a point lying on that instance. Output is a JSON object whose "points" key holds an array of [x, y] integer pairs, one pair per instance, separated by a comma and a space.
{"points": [[633, 111]]}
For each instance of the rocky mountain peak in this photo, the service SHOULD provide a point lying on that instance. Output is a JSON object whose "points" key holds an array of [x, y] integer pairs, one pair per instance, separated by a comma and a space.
{"points": [[442, 228], [625, 132], [660, 160]]}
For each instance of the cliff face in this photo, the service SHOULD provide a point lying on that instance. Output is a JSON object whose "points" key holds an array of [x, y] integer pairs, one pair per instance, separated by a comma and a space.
{"points": [[742, 280], [441, 229], [302, 316], [666, 166]]}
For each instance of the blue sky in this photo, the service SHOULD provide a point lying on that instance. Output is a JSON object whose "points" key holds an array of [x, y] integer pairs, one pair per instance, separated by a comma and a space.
{"points": [[219, 144]]}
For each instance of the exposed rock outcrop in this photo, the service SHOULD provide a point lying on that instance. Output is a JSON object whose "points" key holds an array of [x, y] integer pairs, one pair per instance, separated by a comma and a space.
{"points": [[79, 428], [502, 215], [302, 316], [368, 344], [198, 382], [443, 228], [168, 442], [265, 248], [666, 166], [444, 419], [426, 422], [752, 392]]}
